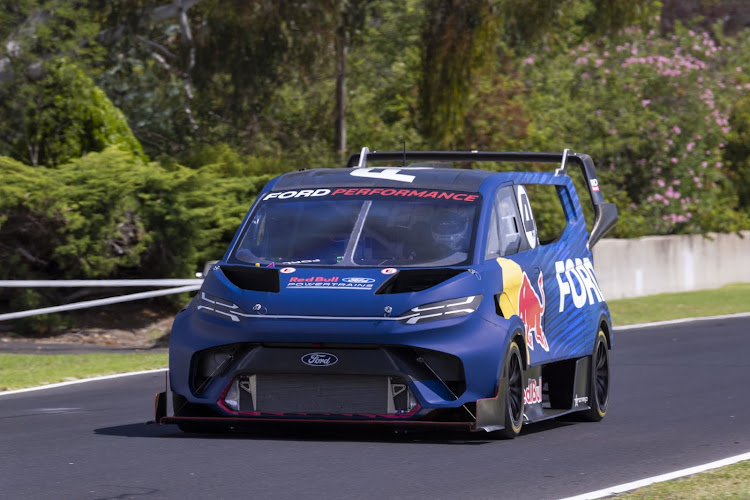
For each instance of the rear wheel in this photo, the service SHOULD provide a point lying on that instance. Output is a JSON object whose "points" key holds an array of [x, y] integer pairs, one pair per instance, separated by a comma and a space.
{"points": [[599, 381], [512, 383]]}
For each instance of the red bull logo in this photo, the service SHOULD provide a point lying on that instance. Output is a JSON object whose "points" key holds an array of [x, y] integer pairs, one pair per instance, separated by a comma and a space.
{"points": [[531, 311]]}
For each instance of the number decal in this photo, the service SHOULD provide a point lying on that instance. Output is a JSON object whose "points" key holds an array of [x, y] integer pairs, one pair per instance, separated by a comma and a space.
{"points": [[527, 216], [383, 173]]}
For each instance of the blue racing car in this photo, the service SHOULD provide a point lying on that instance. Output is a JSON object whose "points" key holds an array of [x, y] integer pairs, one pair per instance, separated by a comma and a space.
{"points": [[402, 290]]}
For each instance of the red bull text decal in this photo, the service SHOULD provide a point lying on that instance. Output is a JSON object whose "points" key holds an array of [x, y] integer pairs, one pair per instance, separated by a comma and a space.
{"points": [[531, 311], [576, 279], [533, 393], [331, 283]]}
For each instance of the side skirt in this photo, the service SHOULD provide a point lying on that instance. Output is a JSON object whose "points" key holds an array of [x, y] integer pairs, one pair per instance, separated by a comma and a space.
{"points": [[549, 391]]}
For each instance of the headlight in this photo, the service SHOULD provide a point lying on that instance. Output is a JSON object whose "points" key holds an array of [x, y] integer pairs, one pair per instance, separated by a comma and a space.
{"points": [[221, 307], [444, 309]]}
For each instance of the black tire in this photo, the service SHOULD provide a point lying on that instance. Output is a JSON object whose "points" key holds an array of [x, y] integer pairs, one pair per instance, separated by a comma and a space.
{"points": [[599, 381], [511, 384]]}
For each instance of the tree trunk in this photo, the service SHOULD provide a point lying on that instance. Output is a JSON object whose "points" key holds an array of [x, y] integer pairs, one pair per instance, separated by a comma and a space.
{"points": [[342, 47]]}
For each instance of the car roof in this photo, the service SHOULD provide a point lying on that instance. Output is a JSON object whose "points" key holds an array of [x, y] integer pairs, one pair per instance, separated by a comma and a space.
{"points": [[455, 179], [359, 173]]}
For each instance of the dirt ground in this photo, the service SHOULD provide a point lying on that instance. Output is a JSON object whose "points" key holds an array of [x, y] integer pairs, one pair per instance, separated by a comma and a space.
{"points": [[130, 326]]}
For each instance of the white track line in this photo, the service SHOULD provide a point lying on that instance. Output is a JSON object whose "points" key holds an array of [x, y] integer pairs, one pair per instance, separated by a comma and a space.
{"points": [[622, 488], [81, 381], [613, 490], [678, 321]]}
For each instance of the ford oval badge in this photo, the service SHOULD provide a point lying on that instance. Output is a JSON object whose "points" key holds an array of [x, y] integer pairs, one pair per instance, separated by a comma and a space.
{"points": [[319, 359], [358, 280]]}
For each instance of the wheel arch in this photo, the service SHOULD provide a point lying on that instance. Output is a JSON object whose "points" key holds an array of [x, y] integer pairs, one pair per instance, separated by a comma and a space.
{"points": [[517, 333], [606, 327]]}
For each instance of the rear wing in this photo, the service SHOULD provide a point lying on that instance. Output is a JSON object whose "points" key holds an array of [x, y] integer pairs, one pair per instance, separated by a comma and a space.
{"points": [[605, 214]]}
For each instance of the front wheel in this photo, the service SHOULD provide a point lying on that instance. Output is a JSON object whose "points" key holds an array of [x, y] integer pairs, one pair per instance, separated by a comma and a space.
{"points": [[599, 381], [511, 384]]}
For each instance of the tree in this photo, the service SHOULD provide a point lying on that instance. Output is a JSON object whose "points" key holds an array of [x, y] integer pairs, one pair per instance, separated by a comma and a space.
{"points": [[59, 116], [36, 32], [454, 34], [737, 151], [460, 37], [655, 114], [209, 73]]}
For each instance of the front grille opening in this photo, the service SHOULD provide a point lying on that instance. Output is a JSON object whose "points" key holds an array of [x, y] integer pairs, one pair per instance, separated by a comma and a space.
{"points": [[214, 362], [416, 280], [257, 279], [348, 395], [457, 387], [449, 369]]}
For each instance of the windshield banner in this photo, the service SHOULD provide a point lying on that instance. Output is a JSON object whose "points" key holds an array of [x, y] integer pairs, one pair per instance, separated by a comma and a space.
{"points": [[372, 192]]}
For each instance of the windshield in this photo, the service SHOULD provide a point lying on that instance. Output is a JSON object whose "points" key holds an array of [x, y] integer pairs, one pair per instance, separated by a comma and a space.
{"points": [[363, 231]]}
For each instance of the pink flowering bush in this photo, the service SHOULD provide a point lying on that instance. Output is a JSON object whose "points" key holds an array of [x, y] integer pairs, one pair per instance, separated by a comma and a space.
{"points": [[654, 113]]}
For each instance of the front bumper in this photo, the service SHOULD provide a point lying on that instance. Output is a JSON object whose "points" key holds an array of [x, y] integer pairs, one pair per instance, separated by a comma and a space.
{"points": [[363, 382], [384, 371]]}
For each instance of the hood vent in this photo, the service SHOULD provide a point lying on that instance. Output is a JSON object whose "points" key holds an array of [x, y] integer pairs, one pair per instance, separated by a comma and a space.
{"points": [[257, 279], [416, 280]]}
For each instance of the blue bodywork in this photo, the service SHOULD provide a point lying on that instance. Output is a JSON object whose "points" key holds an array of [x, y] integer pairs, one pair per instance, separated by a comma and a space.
{"points": [[263, 318]]}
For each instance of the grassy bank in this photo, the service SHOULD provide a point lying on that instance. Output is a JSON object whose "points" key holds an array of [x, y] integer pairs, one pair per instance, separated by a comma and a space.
{"points": [[28, 370], [732, 482], [729, 299]]}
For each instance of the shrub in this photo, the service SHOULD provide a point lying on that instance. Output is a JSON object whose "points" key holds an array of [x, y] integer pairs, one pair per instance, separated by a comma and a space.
{"points": [[112, 215], [654, 114], [60, 117]]}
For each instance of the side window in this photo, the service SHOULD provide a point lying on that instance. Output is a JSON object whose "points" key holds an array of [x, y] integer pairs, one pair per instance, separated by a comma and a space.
{"points": [[505, 232], [549, 215], [493, 237]]}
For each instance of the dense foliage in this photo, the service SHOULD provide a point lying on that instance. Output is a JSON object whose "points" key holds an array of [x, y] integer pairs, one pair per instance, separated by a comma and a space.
{"points": [[62, 116], [111, 214], [134, 135], [654, 112]]}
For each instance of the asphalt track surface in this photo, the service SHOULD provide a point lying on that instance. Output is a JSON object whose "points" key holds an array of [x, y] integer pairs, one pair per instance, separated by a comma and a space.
{"points": [[680, 398]]}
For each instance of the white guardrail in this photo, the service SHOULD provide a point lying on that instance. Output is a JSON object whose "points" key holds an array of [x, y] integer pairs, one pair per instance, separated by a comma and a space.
{"points": [[176, 286], [624, 268]]}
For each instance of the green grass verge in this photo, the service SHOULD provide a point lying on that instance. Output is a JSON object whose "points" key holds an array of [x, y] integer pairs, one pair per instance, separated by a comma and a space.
{"points": [[729, 299], [731, 482], [18, 371]]}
